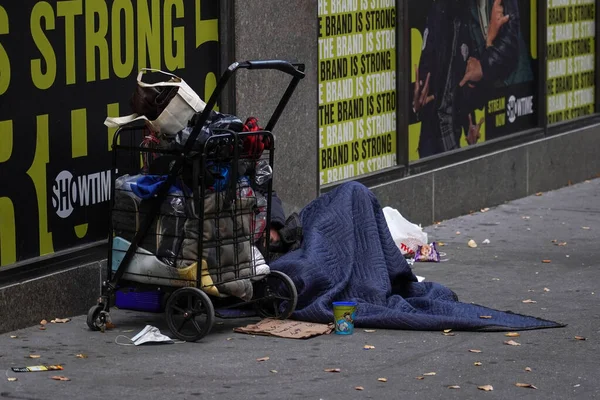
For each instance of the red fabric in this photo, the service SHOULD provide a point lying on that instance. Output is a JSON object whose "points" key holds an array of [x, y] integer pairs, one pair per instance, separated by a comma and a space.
{"points": [[254, 145]]}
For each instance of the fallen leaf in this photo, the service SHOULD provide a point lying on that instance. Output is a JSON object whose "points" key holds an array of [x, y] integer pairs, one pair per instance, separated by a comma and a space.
{"points": [[359, 388], [368, 347], [580, 338], [486, 241], [458, 232], [527, 369], [369, 330], [60, 320], [420, 378], [512, 334], [43, 322], [81, 355], [332, 370], [478, 363], [512, 343], [525, 385], [454, 387], [110, 325], [546, 289], [471, 243], [487, 388], [441, 244], [539, 193], [474, 351], [485, 209], [382, 379], [546, 261], [562, 244], [448, 333], [262, 359], [585, 227], [34, 356], [529, 301], [60, 378], [429, 374], [273, 371], [13, 336], [485, 316], [12, 379]]}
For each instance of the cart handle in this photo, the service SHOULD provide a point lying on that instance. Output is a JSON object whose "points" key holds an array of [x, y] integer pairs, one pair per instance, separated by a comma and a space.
{"points": [[296, 69]]}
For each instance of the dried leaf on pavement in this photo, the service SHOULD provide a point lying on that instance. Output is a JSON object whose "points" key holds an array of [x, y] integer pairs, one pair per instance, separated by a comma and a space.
{"points": [[546, 289], [474, 351], [512, 334], [485, 316], [110, 325], [478, 363], [429, 374], [420, 378], [441, 244], [580, 338], [43, 322], [60, 378], [561, 244], [529, 301], [512, 343], [454, 387], [262, 359], [485, 209], [369, 330], [359, 388], [447, 330], [528, 369], [471, 243], [13, 336], [382, 379], [60, 320], [585, 227], [81, 355], [273, 371], [368, 347], [458, 232], [539, 193], [525, 385], [34, 356], [448, 333], [487, 388], [12, 379], [546, 261], [332, 370]]}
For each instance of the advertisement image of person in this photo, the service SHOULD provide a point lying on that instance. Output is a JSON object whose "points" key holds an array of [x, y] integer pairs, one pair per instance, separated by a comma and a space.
{"points": [[439, 102], [495, 28]]}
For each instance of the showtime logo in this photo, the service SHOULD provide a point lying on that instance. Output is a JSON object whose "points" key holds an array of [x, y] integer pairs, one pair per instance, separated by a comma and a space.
{"points": [[518, 107], [69, 192]]}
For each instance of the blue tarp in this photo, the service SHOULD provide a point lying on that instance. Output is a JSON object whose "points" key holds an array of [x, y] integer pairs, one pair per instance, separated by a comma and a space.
{"points": [[348, 254]]}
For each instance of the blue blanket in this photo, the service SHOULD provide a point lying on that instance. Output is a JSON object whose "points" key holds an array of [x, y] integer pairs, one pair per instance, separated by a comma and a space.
{"points": [[348, 254]]}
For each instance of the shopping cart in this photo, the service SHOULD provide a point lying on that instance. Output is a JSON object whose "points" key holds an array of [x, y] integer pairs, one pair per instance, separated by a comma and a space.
{"points": [[190, 218]]}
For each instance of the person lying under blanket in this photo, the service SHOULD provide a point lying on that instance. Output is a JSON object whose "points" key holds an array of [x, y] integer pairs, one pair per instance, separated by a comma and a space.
{"points": [[346, 253]]}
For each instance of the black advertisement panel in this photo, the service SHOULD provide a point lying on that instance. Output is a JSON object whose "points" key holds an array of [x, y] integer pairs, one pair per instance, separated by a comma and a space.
{"points": [[473, 78], [64, 67]]}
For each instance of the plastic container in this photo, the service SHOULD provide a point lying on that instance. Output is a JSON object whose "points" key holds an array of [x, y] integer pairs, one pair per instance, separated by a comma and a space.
{"points": [[130, 299]]}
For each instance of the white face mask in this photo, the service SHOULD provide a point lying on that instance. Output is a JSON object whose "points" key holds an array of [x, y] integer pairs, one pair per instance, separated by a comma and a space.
{"points": [[150, 334]]}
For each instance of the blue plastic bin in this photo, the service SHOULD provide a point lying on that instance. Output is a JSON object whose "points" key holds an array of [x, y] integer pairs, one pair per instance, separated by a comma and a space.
{"points": [[130, 299]]}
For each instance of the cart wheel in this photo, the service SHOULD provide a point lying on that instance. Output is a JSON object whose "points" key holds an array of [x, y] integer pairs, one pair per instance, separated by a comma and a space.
{"points": [[276, 296], [95, 318], [190, 314]]}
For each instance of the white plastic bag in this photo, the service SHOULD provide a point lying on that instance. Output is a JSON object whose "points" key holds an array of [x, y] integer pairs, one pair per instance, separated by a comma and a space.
{"points": [[407, 236]]}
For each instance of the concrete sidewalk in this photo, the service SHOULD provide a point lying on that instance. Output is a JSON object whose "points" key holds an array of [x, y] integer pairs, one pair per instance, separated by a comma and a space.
{"points": [[500, 274]]}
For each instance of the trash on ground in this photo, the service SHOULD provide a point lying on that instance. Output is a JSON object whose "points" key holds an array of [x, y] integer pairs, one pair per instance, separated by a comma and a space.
{"points": [[487, 388], [485, 316], [368, 347], [472, 244], [382, 379], [420, 378], [512, 334], [150, 334], [407, 236], [529, 301], [332, 370], [580, 338], [12, 379], [546, 289], [474, 351], [453, 387], [546, 261], [262, 359], [528, 369], [478, 363], [427, 253], [485, 209], [585, 227], [429, 374], [81, 355], [359, 388], [43, 322], [486, 241], [286, 328], [369, 330], [38, 368]]}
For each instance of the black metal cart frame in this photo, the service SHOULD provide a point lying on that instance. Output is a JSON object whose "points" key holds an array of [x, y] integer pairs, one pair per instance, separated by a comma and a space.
{"points": [[98, 315]]}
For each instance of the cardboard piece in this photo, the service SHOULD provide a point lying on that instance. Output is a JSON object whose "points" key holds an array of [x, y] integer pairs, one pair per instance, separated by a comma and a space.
{"points": [[286, 328]]}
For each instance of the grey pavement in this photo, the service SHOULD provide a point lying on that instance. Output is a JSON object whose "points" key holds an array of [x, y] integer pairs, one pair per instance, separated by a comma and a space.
{"points": [[500, 274]]}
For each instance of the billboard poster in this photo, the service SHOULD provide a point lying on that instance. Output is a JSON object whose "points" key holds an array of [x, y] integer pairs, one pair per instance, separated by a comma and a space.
{"points": [[473, 77], [64, 67], [357, 88], [571, 50]]}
